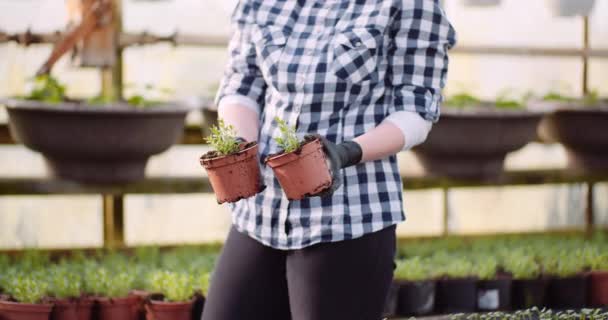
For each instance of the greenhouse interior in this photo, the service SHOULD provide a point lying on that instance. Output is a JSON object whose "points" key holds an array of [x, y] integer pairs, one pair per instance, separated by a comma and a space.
{"points": [[303, 160]]}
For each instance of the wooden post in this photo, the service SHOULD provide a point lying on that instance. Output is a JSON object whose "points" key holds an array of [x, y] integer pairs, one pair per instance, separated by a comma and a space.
{"points": [[112, 78], [113, 221], [585, 55], [446, 211], [589, 214]]}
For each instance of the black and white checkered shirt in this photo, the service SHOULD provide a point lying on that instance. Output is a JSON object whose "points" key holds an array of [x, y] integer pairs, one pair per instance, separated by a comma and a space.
{"points": [[337, 68]]}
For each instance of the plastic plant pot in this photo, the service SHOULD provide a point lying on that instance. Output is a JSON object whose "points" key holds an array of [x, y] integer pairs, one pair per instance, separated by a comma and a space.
{"points": [[118, 308], [416, 297], [494, 295], [456, 295], [528, 293], [24, 311], [598, 288], [568, 292], [159, 310]]}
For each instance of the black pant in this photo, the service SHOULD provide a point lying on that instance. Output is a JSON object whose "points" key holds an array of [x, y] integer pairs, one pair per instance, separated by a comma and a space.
{"points": [[331, 281]]}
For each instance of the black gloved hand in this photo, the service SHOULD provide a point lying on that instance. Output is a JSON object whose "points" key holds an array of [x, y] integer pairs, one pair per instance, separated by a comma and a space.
{"points": [[340, 156]]}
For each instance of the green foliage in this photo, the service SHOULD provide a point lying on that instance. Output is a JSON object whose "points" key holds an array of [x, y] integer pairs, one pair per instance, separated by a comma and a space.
{"points": [[47, 89], [462, 100], [103, 282], [486, 267], [223, 138], [202, 281], [563, 264], [64, 281], [521, 265], [555, 96], [591, 99], [141, 97], [412, 269], [175, 286], [506, 101], [27, 287], [288, 140]]}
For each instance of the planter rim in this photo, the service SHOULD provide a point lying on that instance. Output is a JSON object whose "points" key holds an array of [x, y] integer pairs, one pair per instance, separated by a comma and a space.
{"points": [[32, 307], [285, 158], [222, 161], [85, 108], [481, 111], [171, 303], [575, 105], [121, 300]]}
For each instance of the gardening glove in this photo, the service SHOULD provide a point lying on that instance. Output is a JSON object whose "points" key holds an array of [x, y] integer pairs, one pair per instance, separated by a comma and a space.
{"points": [[339, 156]]}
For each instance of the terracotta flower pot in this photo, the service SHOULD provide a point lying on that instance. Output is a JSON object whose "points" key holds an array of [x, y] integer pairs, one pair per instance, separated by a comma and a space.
{"points": [[159, 310], [65, 310], [24, 311], [416, 297], [528, 293], [456, 295], [587, 149], [598, 288], [473, 143], [118, 308], [96, 144], [303, 172], [568, 292], [494, 295], [85, 308], [236, 176]]}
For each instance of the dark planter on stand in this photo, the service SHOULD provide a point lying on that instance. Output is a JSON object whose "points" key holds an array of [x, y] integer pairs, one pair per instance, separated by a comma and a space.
{"points": [[24, 311], [456, 295], [96, 144], [390, 306], [582, 131], [416, 297], [494, 295], [598, 288], [528, 293], [568, 292], [473, 142]]}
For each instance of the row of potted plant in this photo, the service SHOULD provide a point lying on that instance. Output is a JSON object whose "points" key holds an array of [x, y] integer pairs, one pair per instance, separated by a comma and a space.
{"points": [[113, 286], [447, 276], [474, 136]]}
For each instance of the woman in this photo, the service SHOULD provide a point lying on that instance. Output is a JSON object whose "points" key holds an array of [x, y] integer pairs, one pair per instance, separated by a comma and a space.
{"points": [[364, 75]]}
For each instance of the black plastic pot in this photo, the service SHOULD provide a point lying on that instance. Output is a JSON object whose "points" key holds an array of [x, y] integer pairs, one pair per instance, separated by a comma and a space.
{"points": [[416, 297], [198, 306], [494, 295], [390, 306], [528, 293], [97, 144], [456, 295], [567, 293], [473, 143]]}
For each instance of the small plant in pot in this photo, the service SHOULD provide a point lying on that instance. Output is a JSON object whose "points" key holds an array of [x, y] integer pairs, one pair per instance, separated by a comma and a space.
{"points": [[473, 136], [232, 166], [598, 277], [493, 291], [28, 298], [301, 167], [416, 294], [65, 287], [456, 291], [111, 289], [177, 290], [567, 287], [528, 288]]}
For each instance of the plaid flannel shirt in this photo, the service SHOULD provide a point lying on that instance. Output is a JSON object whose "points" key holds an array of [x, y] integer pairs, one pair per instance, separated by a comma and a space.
{"points": [[337, 68]]}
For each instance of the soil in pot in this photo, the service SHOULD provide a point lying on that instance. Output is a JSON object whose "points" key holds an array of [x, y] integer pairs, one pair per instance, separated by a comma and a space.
{"points": [[416, 297], [390, 306], [528, 293], [160, 310], [118, 308], [303, 172], [598, 288], [24, 311], [568, 292], [494, 295], [65, 310], [456, 295], [235, 176]]}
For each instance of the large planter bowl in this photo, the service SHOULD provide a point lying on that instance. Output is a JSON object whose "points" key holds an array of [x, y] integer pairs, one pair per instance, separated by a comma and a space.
{"points": [[473, 142], [582, 131], [97, 144]]}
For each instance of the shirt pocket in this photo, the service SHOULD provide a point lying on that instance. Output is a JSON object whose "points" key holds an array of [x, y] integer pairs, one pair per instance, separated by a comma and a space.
{"points": [[269, 42], [355, 54]]}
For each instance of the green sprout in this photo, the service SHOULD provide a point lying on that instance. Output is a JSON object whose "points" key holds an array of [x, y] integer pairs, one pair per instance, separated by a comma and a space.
{"points": [[101, 281], [288, 141], [175, 286], [47, 89], [555, 96], [223, 139], [462, 100], [412, 269], [28, 288], [64, 282]]}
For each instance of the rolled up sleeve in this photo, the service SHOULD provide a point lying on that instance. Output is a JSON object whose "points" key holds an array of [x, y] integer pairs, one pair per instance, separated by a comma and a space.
{"points": [[417, 57], [242, 77]]}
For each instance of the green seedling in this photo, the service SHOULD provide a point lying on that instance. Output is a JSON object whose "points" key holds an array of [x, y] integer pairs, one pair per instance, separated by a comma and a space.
{"points": [[412, 269], [47, 89], [64, 282], [288, 140], [223, 139], [175, 286], [28, 288], [462, 100]]}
